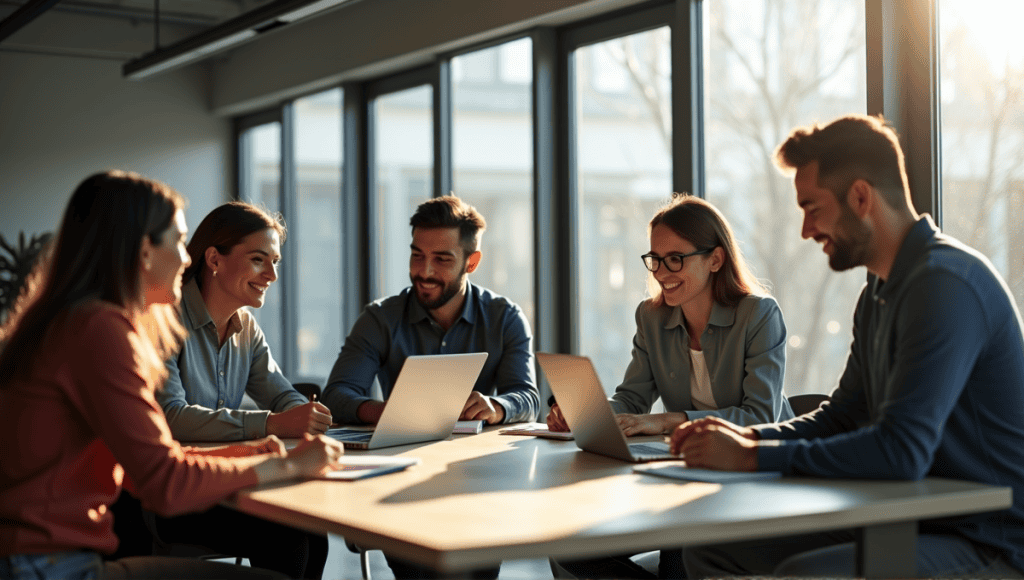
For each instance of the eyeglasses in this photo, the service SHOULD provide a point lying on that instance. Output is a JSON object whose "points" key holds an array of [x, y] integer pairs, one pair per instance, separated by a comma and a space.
{"points": [[674, 262]]}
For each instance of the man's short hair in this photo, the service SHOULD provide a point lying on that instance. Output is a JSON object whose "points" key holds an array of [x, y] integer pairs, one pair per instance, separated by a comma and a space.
{"points": [[451, 212], [847, 149]]}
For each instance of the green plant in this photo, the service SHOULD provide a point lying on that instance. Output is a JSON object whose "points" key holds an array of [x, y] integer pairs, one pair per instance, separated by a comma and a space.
{"points": [[16, 264]]}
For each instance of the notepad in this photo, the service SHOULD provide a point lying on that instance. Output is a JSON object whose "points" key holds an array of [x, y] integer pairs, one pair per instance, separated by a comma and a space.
{"points": [[538, 431], [468, 427], [362, 466], [678, 471]]}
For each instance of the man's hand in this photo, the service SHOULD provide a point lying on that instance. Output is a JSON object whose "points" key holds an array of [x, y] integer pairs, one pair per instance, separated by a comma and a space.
{"points": [[714, 443], [295, 422], [481, 407], [648, 424], [556, 422]]}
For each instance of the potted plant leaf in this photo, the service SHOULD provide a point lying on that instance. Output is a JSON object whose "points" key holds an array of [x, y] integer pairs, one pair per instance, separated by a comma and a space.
{"points": [[16, 263]]}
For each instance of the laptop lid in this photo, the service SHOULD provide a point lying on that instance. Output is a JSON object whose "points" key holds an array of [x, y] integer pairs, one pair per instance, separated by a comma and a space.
{"points": [[427, 398], [585, 406]]}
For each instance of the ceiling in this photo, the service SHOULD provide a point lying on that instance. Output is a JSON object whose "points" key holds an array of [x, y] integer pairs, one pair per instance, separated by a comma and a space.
{"points": [[200, 13]]}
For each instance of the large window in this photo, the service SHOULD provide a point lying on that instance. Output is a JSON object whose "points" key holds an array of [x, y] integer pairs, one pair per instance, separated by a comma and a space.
{"points": [[492, 159], [260, 163], [404, 155], [624, 173], [769, 66], [318, 232], [982, 96]]}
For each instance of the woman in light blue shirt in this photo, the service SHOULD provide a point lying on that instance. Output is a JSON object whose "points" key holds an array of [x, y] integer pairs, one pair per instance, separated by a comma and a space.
{"points": [[709, 341], [235, 253]]}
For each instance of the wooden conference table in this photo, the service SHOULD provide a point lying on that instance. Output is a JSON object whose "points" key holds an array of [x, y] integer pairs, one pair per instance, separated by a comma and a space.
{"points": [[476, 500]]}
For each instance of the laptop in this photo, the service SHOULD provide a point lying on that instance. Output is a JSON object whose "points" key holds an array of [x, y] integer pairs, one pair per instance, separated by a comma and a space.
{"points": [[427, 398], [588, 412]]}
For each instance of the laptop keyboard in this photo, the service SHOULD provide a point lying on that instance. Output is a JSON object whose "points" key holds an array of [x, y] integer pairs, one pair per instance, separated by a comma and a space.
{"points": [[349, 435], [646, 450]]}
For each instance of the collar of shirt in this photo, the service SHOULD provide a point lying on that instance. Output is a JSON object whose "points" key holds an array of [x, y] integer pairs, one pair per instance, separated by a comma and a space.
{"points": [[196, 314], [418, 314], [720, 316], [920, 234]]}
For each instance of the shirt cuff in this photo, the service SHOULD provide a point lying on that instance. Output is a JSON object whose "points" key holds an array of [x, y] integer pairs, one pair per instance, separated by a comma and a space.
{"points": [[774, 456], [350, 410], [504, 405], [254, 424]]}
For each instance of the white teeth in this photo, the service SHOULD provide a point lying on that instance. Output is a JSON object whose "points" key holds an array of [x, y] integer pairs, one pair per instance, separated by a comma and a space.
{"points": [[260, 289], [670, 286]]}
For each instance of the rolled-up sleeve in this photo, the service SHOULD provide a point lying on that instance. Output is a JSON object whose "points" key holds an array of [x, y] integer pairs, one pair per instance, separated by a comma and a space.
{"points": [[267, 385], [190, 422], [515, 382]]}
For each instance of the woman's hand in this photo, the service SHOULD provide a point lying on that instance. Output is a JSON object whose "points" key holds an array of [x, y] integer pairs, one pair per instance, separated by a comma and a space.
{"points": [[269, 444], [315, 455], [555, 420], [649, 424]]}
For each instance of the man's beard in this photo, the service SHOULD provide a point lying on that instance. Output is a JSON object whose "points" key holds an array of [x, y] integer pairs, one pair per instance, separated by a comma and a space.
{"points": [[447, 291], [853, 248]]}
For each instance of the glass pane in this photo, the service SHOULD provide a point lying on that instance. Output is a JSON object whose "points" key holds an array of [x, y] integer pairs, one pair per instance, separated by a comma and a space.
{"points": [[772, 65], [625, 172], [261, 162], [493, 167], [318, 157], [982, 91], [405, 164]]}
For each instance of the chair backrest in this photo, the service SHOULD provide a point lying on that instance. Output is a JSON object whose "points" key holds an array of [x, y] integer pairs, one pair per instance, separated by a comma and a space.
{"points": [[803, 404], [308, 389]]}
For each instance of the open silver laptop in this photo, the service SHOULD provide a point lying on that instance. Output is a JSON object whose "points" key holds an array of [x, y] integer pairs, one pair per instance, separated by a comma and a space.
{"points": [[425, 403], [585, 407]]}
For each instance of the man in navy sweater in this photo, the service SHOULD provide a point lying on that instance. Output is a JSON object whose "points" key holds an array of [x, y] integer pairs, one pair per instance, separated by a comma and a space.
{"points": [[934, 382]]}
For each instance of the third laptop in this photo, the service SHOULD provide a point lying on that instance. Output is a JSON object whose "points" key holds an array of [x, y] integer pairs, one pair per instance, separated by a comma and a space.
{"points": [[427, 398], [585, 407]]}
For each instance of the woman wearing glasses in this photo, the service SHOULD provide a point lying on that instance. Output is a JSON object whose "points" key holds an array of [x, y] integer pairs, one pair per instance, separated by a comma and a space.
{"points": [[709, 342]]}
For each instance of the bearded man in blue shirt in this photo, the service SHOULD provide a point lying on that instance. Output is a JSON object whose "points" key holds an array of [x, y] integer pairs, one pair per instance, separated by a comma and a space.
{"points": [[441, 313], [934, 382]]}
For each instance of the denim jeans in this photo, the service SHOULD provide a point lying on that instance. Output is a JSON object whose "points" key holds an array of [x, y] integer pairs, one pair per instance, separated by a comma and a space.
{"points": [[74, 565]]}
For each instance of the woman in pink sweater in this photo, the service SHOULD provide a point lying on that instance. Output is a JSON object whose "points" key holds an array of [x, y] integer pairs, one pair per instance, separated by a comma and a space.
{"points": [[82, 356]]}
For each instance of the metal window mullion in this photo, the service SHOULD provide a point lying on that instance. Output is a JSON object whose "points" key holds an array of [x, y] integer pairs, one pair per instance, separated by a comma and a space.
{"points": [[442, 118], [903, 85], [358, 259], [687, 66], [289, 271]]}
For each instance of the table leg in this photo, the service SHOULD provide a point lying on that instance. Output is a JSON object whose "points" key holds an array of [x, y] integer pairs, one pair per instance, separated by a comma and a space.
{"points": [[887, 551]]}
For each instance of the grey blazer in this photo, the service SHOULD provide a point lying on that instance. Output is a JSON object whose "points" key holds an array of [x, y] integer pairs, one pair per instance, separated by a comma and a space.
{"points": [[745, 351]]}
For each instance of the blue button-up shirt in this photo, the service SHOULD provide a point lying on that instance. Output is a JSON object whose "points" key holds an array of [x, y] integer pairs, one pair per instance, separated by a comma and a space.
{"points": [[933, 386], [391, 329], [206, 380]]}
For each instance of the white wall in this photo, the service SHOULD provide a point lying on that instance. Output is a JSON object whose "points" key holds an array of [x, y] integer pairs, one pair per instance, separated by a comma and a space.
{"points": [[63, 118]]}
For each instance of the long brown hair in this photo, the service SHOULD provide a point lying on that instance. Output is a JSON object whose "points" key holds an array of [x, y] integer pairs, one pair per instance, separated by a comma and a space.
{"points": [[96, 257], [700, 223], [223, 228]]}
